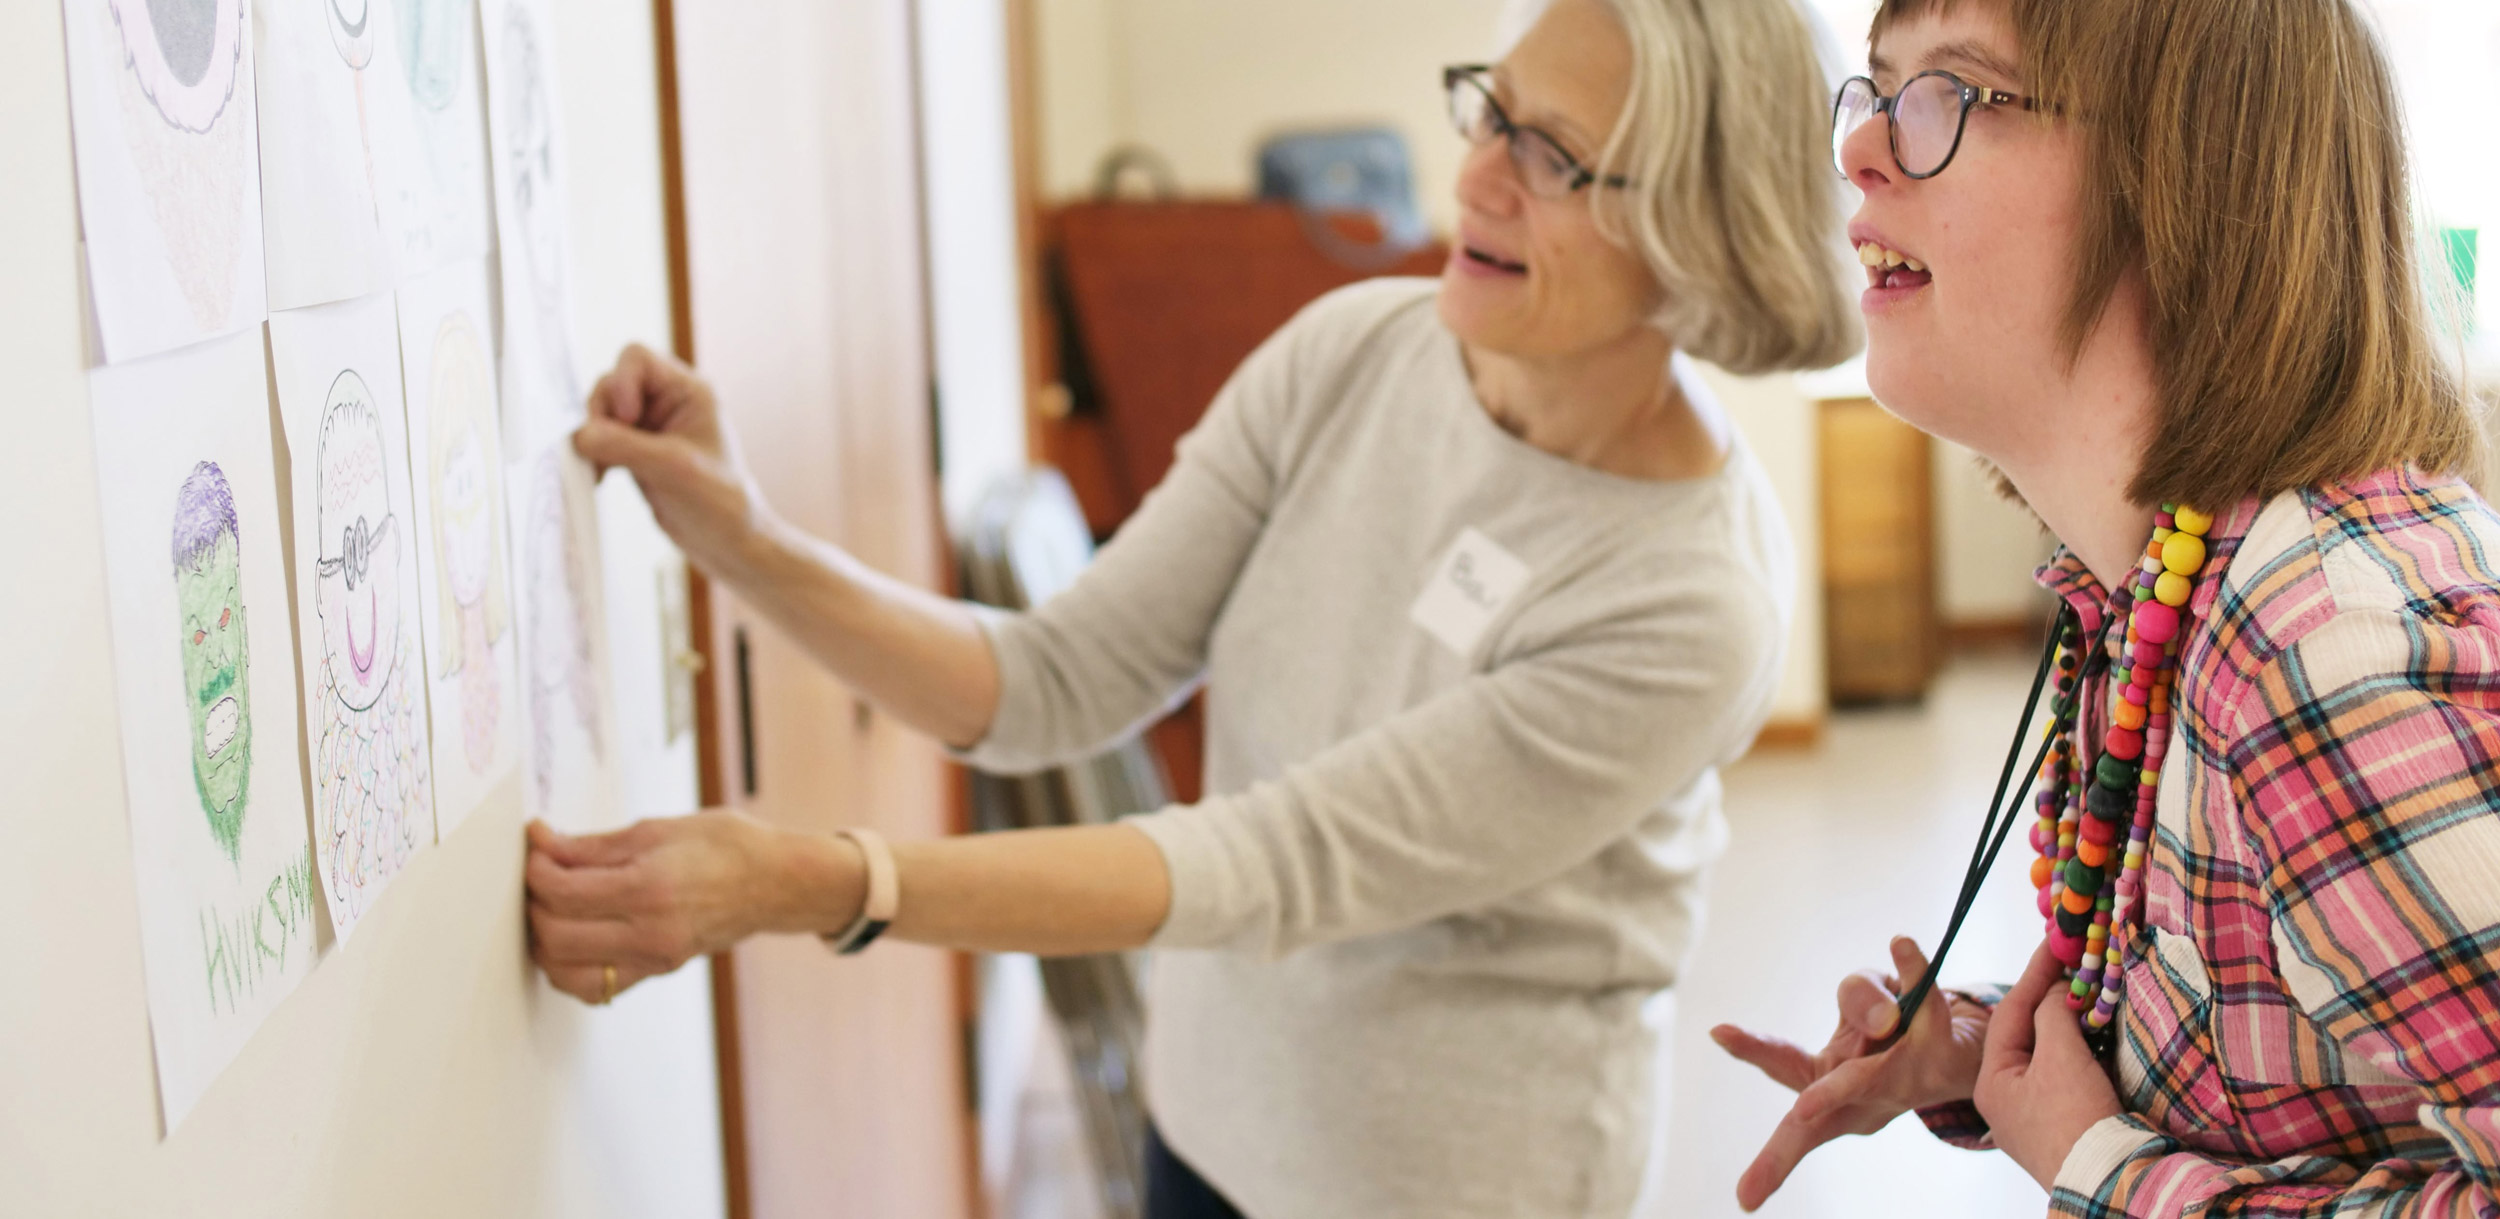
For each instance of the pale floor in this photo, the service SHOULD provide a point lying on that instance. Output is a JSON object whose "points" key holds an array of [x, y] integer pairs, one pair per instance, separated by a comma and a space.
{"points": [[1832, 852]]}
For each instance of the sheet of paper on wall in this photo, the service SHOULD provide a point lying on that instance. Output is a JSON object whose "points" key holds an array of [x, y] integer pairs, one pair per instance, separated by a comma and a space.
{"points": [[204, 667], [435, 184], [332, 101], [569, 736], [455, 449], [161, 115], [357, 608], [651, 639], [679, 661], [542, 385]]}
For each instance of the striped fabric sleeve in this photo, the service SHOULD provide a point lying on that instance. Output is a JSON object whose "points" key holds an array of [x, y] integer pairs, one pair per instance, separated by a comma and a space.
{"points": [[2365, 763], [1959, 1123]]}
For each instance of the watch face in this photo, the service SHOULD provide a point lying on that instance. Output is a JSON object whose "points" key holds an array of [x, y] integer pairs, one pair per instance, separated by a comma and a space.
{"points": [[187, 55], [351, 30]]}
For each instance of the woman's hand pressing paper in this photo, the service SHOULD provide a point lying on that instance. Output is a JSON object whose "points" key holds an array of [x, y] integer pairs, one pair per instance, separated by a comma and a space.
{"points": [[649, 898], [659, 420]]}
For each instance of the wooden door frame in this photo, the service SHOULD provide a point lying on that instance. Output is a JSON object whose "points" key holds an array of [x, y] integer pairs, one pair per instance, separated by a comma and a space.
{"points": [[1024, 98]]}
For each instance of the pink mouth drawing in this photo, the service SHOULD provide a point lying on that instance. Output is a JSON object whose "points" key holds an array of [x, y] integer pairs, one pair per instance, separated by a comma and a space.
{"points": [[361, 656]]}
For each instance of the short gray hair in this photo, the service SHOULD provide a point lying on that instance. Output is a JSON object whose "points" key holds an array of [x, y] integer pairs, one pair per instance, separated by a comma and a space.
{"points": [[1735, 205]]}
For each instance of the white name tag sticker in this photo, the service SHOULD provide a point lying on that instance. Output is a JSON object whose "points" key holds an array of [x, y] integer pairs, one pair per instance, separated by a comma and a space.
{"points": [[1467, 591]]}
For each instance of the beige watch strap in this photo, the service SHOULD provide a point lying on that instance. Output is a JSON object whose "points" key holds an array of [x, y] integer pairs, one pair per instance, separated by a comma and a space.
{"points": [[885, 893]]}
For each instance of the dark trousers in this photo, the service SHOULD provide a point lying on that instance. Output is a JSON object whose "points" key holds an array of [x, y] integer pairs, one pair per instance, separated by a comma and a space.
{"points": [[1174, 1190]]}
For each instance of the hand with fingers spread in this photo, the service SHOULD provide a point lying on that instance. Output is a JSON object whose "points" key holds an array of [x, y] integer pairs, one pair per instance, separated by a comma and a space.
{"points": [[647, 899], [658, 419], [1845, 1090], [2040, 1086]]}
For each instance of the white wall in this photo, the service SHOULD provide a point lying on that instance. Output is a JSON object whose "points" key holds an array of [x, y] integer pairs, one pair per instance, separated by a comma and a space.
{"points": [[422, 1070], [1204, 82], [968, 176], [635, 1120], [2446, 54], [1780, 427], [1986, 546]]}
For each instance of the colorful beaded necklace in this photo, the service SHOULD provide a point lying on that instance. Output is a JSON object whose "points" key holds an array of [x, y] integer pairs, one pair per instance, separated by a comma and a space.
{"points": [[2090, 872], [2093, 844]]}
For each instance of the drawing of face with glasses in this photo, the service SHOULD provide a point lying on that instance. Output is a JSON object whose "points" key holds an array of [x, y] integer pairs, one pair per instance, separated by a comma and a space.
{"points": [[357, 596], [351, 30]]}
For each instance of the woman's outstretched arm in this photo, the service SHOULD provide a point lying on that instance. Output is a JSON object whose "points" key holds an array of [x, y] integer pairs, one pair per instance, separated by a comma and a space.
{"points": [[651, 897], [916, 654]]}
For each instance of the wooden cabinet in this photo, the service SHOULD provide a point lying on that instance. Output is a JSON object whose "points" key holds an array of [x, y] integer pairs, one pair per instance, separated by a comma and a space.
{"points": [[1881, 631], [796, 184]]}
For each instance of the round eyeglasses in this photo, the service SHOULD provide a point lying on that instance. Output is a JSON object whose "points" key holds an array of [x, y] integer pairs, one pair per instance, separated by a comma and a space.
{"points": [[1544, 168], [1928, 116]]}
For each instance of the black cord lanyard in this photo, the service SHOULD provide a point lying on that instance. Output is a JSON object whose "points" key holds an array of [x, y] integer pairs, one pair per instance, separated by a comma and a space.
{"points": [[2003, 816]]}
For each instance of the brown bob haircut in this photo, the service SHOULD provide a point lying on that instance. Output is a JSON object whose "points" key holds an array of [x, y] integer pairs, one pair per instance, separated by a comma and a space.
{"points": [[2249, 156]]}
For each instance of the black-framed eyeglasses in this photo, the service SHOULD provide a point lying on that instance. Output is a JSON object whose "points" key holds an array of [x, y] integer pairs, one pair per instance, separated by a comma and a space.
{"points": [[1928, 116], [357, 543], [1544, 168]]}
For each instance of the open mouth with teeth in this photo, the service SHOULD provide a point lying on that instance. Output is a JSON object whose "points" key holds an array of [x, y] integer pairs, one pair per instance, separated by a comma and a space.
{"points": [[1890, 268], [223, 720], [1483, 259]]}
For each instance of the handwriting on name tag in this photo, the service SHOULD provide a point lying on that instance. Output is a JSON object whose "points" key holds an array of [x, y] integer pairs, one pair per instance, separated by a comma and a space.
{"points": [[1466, 590]]}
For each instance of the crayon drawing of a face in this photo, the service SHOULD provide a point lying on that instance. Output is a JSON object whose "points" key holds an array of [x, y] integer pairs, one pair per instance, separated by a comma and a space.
{"points": [[187, 55], [434, 38], [468, 536], [464, 467], [562, 664], [351, 30], [216, 651], [467, 464], [187, 139], [357, 595], [530, 159]]}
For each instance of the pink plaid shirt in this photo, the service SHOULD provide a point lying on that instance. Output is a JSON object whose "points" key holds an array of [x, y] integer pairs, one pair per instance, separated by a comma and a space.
{"points": [[2311, 1022]]}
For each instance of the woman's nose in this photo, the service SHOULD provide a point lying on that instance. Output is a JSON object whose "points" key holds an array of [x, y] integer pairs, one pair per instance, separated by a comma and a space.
{"points": [[1486, 181], [1866, 153]]}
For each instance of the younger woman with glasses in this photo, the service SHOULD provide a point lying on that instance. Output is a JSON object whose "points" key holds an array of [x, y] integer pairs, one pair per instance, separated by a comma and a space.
{"points": [[1483, 588], [2176, 304]]}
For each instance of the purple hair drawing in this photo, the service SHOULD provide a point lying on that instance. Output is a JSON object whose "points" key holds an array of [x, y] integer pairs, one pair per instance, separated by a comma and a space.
{"points": [[203, 514]]}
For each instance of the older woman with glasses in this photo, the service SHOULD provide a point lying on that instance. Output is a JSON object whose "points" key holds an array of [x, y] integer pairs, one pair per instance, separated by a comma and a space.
{"points": [[2155, 260], [1483, 587]]}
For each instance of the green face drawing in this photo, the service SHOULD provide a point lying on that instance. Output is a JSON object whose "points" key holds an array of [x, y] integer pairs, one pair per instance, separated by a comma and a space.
{"points": [[215, 656]]}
